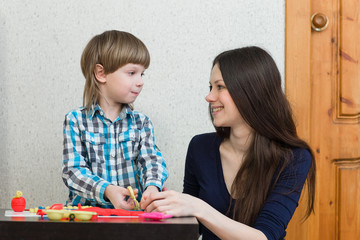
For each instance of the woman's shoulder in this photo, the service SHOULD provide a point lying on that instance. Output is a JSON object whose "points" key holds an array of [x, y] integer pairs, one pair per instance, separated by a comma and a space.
{"points": [[206, 144], [301, 154], [301, 159], [205, 138], [203, 149]]}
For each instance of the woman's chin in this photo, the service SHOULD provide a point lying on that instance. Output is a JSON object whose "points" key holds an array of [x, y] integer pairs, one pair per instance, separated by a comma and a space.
{"points": [[217, 124]]}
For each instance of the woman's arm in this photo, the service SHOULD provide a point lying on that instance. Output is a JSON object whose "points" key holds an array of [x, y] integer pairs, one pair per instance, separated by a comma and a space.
{"points": [[178, 204], [272, 220]]}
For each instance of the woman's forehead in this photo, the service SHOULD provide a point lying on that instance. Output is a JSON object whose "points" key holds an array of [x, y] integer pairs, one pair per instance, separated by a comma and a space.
{"points": [[216, 76]]}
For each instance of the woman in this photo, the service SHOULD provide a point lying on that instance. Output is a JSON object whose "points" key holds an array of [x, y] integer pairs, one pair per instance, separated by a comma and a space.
{"points": [[245, 180]]}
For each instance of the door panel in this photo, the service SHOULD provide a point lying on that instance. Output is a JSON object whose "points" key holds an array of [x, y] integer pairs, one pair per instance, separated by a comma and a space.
{"points": [[323, 85], [348, 198], [348, 34]]}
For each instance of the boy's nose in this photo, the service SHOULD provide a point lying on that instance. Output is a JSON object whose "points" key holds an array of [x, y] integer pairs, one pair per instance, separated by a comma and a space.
{"points": [[140, 82]]}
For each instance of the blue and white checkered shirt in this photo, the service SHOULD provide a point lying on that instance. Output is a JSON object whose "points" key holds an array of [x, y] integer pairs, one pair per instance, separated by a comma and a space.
{"points": [[98, 152]]}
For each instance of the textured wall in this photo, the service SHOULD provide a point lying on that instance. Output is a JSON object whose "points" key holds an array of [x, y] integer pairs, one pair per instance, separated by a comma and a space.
{"points": [[40, 78]]}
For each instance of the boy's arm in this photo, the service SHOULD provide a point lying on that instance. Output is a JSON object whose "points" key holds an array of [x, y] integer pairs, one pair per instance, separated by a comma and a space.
{"points": [[75, 169], [151, 164]]}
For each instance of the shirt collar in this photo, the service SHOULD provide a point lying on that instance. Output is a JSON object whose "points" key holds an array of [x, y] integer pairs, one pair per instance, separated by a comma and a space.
{"points": [[126, 111]]}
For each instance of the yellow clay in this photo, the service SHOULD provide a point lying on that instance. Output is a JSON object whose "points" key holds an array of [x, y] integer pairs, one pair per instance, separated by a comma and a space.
{"points": [[132, 196], [18, 194], [59, 214]]}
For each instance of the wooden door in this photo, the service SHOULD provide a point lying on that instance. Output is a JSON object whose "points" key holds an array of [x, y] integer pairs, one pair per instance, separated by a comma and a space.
{"points": [[323, 85]]}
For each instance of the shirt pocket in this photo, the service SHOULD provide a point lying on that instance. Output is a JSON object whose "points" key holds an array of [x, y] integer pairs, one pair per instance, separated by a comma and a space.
{"points": [[94, 143], [129, 142]]}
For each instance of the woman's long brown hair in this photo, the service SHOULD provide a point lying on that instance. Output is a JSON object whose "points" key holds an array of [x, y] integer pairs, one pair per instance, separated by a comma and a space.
{"points": [[254, 83]]}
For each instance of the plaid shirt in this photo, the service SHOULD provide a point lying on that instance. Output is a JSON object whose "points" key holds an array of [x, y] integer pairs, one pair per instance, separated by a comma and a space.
{"points": [[98, 152]]}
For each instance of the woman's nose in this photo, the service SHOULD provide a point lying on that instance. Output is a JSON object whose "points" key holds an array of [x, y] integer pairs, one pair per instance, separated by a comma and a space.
{"points": [[210, 97]]}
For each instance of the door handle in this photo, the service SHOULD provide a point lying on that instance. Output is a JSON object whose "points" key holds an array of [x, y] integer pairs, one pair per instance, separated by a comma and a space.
{"points": [[319, 22]]}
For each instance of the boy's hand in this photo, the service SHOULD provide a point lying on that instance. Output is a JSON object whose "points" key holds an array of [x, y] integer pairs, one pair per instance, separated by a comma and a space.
{"points": [[117, 194], [146, 194]]}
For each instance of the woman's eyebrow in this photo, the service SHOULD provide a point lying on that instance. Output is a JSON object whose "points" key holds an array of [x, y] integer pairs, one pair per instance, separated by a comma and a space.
{"points": [[216, 81]]}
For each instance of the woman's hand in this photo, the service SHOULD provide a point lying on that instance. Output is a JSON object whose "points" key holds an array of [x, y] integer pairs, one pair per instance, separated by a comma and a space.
{"points": [[173, 203], [117, 195], [181, 205]]}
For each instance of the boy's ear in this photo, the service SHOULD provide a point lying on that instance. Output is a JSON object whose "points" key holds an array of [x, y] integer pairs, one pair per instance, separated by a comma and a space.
{"points": [[99, 73]]}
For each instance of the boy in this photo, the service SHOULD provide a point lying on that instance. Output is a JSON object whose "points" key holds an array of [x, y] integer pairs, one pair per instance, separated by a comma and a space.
{"points": [[107, 145]]}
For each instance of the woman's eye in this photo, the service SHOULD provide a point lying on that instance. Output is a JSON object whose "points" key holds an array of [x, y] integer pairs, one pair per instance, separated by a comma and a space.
{"points": [[220, 87], [210, 87]]}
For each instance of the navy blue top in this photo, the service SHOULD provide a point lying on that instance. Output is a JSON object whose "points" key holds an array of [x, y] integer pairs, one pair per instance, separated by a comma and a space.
{"points": [[204, 179]]}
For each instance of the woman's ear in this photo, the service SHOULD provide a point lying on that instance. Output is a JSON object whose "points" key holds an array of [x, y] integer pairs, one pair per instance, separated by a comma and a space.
{"points": [[100, 73]]}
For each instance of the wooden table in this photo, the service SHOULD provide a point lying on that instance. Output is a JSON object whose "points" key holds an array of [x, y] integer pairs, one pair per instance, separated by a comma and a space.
{"points": [[101, 229]]}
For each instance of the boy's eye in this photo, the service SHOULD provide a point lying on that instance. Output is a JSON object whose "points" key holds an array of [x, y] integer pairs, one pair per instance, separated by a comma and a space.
{"points": [[131, 73], [142, 74], [210, 87]]}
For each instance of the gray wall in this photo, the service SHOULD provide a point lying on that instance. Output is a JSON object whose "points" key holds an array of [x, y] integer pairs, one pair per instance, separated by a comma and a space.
{"points": [[40, 78]]}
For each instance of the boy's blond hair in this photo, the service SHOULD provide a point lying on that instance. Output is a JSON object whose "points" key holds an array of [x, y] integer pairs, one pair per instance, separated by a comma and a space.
{"points": [[112, 49]]}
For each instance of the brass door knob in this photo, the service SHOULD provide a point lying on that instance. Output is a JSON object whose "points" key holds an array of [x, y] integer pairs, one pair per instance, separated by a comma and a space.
{"points": [[319, 22]]}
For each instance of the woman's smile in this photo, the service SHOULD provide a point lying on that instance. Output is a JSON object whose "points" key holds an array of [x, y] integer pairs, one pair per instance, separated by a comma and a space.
{"points": [[216, 109]]}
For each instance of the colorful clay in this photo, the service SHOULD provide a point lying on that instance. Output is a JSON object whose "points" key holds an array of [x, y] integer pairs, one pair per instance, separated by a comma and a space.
{"points": [[18, 203], [132, 196]]}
